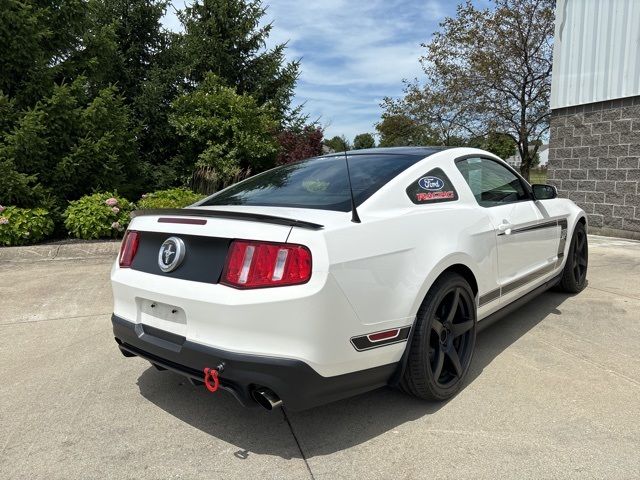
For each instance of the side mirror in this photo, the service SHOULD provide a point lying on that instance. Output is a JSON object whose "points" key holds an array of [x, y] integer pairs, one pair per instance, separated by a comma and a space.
{"points": [[544, 192]]}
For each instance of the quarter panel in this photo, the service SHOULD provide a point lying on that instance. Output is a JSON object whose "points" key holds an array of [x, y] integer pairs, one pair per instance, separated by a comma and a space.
{"points": [[386, 265]]}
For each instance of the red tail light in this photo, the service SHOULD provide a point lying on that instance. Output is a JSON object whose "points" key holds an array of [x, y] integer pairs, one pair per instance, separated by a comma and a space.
{"points": [[129, 248], [252, 264]]}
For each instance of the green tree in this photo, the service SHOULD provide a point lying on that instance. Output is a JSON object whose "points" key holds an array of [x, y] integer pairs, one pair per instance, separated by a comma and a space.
{"points": [[497, 143], [16, 188], [88, 89], [338, 144], [363, 140], [223, 130], [130, 34], [105, 153], [37, 39], [68, 145], [489, 70], [400, 129], [127, 46], [227, 38], [432, 115]]}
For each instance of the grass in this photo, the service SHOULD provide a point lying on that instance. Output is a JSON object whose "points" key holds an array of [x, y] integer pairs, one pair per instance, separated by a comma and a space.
{"points": [[538, 175]]}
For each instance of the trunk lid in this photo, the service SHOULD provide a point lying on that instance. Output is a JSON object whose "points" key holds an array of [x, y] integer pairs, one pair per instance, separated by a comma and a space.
{"points": [[206, 241]]}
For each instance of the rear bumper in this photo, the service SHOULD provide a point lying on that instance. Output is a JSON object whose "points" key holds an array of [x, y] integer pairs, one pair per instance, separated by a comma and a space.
{"points": [[296, 383]]}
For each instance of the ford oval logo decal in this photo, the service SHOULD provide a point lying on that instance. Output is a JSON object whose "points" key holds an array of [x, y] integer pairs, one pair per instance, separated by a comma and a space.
{"points": [[431, 184]]}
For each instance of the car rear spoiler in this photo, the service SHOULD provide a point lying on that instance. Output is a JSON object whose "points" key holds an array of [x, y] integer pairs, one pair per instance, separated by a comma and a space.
{"points": [[249, 217]]}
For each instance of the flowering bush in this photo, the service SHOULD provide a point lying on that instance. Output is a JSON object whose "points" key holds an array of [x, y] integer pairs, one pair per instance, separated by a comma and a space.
{"points": [[101, 215], [172, 198], [23, 226]]}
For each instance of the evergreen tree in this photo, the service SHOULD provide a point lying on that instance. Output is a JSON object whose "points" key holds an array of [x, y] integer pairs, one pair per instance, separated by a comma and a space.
{"points": [[338, 144], [69, 145], [225, 37], [363, 140], [123, 40], [95, 94], [37, 39]]}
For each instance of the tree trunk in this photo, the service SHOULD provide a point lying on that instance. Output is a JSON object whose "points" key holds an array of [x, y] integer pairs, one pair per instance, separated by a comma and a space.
{"points": [[525, 169]]}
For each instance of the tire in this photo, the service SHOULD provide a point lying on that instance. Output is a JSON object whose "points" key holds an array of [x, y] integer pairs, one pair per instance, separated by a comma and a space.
{"points": [[574, 275], [432, 372]]}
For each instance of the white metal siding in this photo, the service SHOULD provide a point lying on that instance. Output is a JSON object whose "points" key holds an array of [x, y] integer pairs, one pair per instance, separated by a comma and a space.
{"points": [[596, 51]]}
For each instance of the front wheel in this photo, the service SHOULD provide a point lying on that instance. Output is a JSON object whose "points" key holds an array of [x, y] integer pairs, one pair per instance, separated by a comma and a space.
{"points": [[443, 342], [574, 275]]}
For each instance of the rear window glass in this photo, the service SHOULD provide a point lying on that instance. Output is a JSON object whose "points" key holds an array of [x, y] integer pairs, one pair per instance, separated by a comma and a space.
{"points": [[316, 182]]}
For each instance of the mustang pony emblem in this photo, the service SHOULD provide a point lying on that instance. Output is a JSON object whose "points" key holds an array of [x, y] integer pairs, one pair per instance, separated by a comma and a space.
{"points": [[171, 254], [167, 254]]}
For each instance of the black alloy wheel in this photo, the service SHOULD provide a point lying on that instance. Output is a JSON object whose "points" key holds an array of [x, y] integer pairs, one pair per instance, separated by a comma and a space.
{"points": [[451, 339], [442, 345], [574, 275], [580, 257]]}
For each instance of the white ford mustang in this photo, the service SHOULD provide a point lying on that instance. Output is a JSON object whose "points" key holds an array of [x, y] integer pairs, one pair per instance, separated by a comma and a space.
{"points": [[336, 275]]}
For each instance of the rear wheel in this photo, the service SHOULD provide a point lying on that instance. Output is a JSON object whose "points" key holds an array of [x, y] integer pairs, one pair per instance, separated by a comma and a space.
{"points": [[574, 275], [443, 342]]}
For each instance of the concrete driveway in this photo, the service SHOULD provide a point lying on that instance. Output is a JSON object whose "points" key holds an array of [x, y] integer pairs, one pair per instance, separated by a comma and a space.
{"points": [[554, 392]]}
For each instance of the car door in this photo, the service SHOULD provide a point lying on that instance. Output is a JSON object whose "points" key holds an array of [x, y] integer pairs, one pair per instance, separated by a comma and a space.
{"points": [[526, 247]]}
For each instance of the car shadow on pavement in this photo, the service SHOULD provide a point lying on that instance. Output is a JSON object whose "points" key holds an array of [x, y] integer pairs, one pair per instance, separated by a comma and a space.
{"points": [[339, 425]]}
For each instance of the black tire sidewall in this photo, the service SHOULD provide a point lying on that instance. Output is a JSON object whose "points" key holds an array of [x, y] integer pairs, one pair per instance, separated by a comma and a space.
{"points": [[426, 318], [569, 283]]}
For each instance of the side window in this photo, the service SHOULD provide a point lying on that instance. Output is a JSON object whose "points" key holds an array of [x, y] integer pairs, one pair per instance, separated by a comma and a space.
{"points": [[491, 183], [432, 187]]}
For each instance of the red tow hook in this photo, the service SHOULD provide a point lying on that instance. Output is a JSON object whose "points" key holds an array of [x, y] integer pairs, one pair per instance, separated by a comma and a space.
{"points": [[211, 380]]}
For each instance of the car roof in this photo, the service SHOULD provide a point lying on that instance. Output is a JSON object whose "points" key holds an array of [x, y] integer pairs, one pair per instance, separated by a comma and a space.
{"points": [[414, 151]]}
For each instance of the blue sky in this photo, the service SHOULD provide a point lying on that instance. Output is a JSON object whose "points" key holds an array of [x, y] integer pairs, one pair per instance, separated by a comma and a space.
{"points": [[353, 53]]}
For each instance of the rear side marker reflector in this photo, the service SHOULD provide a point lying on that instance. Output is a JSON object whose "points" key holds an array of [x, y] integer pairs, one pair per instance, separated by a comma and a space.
{"points": [[254, 264], [128, 248], [184, 221], [380, 339]]}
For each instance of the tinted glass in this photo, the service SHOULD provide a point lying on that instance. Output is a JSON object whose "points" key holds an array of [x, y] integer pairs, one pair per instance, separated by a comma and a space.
{"points": [[491, 183], [316, 182]]}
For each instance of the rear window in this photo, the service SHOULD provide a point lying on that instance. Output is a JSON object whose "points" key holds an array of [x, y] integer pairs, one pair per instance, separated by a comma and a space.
{"points": [[316, 182]]}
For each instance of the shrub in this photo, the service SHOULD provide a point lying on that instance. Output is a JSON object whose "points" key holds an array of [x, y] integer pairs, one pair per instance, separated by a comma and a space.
{"points": [[172, 198], [23, 226], [101, 215], [223, 129]]}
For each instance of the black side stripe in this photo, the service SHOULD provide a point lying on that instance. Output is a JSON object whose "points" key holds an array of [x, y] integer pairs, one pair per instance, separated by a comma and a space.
{"points": [[489, 297], [521, 282], [537, 226], [362, 342], [509, 287]]}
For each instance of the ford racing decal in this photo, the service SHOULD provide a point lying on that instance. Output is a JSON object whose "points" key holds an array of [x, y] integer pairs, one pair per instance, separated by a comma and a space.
{"points": [[423, 197], [432, 187], [431, 183]]}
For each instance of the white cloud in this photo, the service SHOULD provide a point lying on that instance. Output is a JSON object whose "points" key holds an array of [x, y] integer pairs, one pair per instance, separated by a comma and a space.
{"points": [[353, 53]]}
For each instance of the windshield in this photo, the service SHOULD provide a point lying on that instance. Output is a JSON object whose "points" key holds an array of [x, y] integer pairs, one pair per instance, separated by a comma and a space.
{"points": [[320, 182]]}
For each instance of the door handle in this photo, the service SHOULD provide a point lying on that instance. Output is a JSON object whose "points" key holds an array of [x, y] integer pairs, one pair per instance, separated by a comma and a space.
{"points": [[504, 228]]}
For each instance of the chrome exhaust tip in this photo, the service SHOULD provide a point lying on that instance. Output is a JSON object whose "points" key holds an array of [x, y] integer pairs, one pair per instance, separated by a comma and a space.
{"points": [[266, 398]]}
